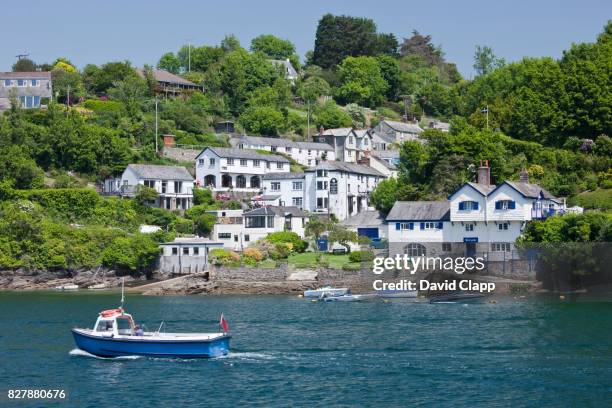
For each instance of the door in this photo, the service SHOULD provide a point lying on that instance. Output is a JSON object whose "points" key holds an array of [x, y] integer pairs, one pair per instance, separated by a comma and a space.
{"points": [[470, 249], [371, 233]]}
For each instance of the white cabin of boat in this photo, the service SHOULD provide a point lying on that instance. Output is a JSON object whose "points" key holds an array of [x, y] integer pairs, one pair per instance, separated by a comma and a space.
{"points": [[115, 322]]}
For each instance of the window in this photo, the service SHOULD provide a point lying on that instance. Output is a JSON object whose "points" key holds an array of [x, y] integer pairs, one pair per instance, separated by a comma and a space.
{"points": [[321, 202], [211, 161], [8, 82], [230, 162], [297, 201], [446, 247], [256, 163], [279, 166], [505, 205], [288, 149], [273, 149], [149, 183], [503, 226], [196, 251], [429, 225], [469, 227], [351, 140], [404, 226], [34, 82], [255, 222], [200, 162], [178, 187], [186, 251], [174, 251], [333, 186], [309, 152], [267, 165], [415, 249], [297, 185], [321, 185], [247, 238], [22, 82], [309, 162], [224, 235], [275, 186], [36, 101], [235, 238], [244, 162], [164, 186], [500, 246], [468, 205], [321, 173]]}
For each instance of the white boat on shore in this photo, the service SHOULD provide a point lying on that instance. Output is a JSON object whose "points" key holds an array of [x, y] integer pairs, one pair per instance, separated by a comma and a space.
{"points": [[67, 287], [98, 286], [396, 293], [326, 291]]}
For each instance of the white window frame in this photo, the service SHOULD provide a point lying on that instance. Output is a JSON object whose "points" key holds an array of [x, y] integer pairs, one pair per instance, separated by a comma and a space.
{"points": [[275, 186], [504, 226], [279, 166], [244, 162], [297, 185], [230, 161], [501, 247], [256, 163], [469, 227], [430, 225]]}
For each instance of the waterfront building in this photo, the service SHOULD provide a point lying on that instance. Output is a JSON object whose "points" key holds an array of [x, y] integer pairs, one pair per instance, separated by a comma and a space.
{"points": [[32, 89], [225, 169], [174, 185], [341, 189], [477, 218], [368, 223], [186, 255], [238, 229], [305, 153]]}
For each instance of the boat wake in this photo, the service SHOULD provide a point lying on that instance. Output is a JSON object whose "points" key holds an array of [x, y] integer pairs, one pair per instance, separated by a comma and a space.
{"points": [[82, 353], [247, 356]]}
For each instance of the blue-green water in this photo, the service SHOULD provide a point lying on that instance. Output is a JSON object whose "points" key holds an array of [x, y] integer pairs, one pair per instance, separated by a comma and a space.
{"points": [[291, 352]]}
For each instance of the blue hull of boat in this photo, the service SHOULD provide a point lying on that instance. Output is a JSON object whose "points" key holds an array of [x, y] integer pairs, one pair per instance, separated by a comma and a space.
{"points": [[109, 347]]}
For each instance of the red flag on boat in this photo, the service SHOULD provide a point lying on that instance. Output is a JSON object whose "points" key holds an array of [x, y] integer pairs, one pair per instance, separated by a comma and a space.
{"points": [[224, 325]]}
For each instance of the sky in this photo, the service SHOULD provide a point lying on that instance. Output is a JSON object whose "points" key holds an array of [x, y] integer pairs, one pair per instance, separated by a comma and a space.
{"points": [[141, 31]]}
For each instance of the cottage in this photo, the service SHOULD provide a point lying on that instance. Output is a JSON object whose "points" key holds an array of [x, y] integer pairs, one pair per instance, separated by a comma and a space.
{"points": [[186, 255], [32, 89], [305, 153], [344, 142], [285, 188], [397, 132], [170, 84], [289, 70], [369, 223], [174, 184], [224, 169], [238, 229]]}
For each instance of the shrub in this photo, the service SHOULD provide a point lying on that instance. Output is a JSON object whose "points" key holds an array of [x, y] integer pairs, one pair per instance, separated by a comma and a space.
{"points": [[288, 237], [221, 256], [281, 251], [69, 204], [361, 256], [349, 266], [202, 196], [253, 253], [137, 253], [183, 225]]}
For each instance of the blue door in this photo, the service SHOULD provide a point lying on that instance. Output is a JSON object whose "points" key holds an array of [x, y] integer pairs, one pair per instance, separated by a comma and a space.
{"points": [[322, 244], [371, 233]]}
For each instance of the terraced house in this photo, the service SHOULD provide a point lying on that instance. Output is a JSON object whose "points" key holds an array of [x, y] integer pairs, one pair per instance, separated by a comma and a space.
{"points": [[305, 153], [31, 89]]}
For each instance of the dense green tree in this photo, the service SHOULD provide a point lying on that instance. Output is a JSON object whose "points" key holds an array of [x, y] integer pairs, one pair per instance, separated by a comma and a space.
{"points": [[230, 43], [98, 80], [392, 74], [272, 46], [362, 81], [384, 195], [329, 116], [387, 44], [263, 120], [169, 62], [485, 60], [24, 65], [202, 57]]}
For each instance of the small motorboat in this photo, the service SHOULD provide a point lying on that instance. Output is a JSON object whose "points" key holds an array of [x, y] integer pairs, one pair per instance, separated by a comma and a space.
{"points": [[458, 297], [67, 287], [396, 293], [98, 286], [326, 291], [347, 298], [115, 334]]}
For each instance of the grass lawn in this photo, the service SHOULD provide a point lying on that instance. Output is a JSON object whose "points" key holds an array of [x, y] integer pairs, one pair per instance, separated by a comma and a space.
{"points": [[310, 259], [267, 264]]}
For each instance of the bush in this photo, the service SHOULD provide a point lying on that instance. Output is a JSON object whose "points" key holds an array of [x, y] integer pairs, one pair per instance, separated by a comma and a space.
{"points": [[253, 253], [351, 266], [202, 196], [222, 256], [68, 204], [182, 225], [280, 251], [361, 256], [137, 253], [288, 237]]}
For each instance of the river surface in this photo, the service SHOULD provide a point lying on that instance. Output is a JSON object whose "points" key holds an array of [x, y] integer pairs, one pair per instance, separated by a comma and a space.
{"points": [[291, 352]]}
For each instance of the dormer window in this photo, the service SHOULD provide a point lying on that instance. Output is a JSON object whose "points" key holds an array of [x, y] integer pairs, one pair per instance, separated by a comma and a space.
{"points": [[468, 205], [505, 205]]}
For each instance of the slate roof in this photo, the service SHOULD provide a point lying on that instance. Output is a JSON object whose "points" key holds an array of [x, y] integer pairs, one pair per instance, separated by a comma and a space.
{"points": [[386, 138], [150, 171], [384, 163], [337, 131], [164, 76], [420, 211], [283, 176], [278, 211], [274, 141], [365, 219], [361, 132], [482, 188], [386, 154], [403, 127], [346, 167], [530, 190], [234, 153], [290, 70], [26, 75]]}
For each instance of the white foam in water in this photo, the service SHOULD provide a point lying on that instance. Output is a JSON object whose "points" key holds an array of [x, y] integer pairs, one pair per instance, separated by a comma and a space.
{"points": [[83, 353], [247, 355]]}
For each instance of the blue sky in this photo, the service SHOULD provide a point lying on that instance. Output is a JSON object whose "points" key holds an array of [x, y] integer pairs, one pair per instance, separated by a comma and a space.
{"points": [[141, 31]]}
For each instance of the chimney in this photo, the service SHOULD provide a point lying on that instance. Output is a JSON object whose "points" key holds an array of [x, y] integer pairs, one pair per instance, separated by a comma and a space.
{"points": [[321, 130], [168, 140], [524, 176], [484, 173]]}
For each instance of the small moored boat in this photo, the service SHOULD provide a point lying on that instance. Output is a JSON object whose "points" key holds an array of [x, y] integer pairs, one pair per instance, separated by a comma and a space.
{"points": [[458, 297], [326, 291], [67, 287], [396, 293], [347, 298]]}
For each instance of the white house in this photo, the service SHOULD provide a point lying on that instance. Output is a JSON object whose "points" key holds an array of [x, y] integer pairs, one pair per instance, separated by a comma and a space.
{"points": [[338, 188], [288, 69], [347, 144], [397, 132], [381, 165], [186, 255], [174, 184], [238, 229], [477, 218], [224, 169], [305, 153]]}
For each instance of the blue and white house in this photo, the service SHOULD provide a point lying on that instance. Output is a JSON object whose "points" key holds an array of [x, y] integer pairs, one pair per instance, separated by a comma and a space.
{"points": [[477, 218], [30, 88]]}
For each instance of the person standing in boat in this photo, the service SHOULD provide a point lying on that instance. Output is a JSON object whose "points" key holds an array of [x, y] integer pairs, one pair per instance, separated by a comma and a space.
{"points": [[138, 331]]}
